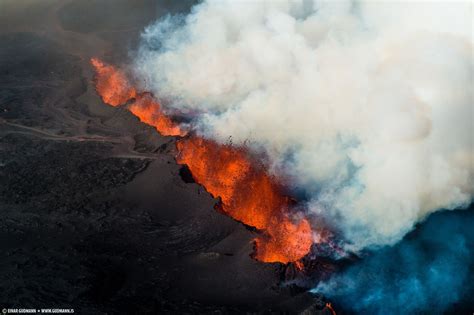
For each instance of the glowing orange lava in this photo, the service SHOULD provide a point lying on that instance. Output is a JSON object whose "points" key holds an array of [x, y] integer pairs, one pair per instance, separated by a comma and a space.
{"points": [[148, 110], [111, 84], [114, 88], [248, 194], [330, 308]]}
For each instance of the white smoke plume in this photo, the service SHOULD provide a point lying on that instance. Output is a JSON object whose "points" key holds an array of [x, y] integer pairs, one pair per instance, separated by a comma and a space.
{"points": [[368, 106]]}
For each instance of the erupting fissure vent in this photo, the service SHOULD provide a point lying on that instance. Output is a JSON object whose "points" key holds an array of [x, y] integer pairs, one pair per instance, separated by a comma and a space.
{"points": [[148, 110], [247, 193], [111, 84]]}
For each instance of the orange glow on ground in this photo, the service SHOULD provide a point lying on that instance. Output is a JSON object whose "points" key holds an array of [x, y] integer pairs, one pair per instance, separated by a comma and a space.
{"points": [[330, 308], [111, 84], [115, 89], [249, 195], [148, 110]]}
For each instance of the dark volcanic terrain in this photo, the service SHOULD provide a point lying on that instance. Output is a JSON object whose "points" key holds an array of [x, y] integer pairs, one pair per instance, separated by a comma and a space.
{"points": [[94, 213]]}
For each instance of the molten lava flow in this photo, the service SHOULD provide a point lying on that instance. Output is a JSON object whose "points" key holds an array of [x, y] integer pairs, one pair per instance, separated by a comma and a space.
{"points": [[249, 195], [111, 84], [114, 88], [288, 241], [148, 110], [330, 308], [247, 192]]}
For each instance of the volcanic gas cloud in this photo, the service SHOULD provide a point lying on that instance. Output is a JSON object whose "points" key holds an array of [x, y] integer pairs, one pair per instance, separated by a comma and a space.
{"points": [[247, 193], [364, 107]]}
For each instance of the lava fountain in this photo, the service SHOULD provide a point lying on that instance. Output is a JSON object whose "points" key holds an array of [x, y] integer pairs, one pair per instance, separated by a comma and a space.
{"points": [[246, 191], [248, 194], [112, 84], [148, 110]]}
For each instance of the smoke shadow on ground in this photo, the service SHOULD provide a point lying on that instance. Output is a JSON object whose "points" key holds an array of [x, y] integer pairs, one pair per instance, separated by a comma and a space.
{"points": [[430, 271]]}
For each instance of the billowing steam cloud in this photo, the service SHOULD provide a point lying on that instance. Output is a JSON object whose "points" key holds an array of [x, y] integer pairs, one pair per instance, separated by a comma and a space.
{"points": [[367, 106]]}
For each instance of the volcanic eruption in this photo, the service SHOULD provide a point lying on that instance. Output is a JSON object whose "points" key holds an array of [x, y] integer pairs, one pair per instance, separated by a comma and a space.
{"points": [[112, 85], [250, 196], [237, 157], [246, 192], [361, 110]]}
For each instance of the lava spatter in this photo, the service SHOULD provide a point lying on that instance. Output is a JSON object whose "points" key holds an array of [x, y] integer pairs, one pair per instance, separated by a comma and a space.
{"points": [[247, 192]]}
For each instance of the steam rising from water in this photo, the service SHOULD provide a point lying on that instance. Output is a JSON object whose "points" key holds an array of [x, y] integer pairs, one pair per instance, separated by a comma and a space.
{"points": [[366, 105]]}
